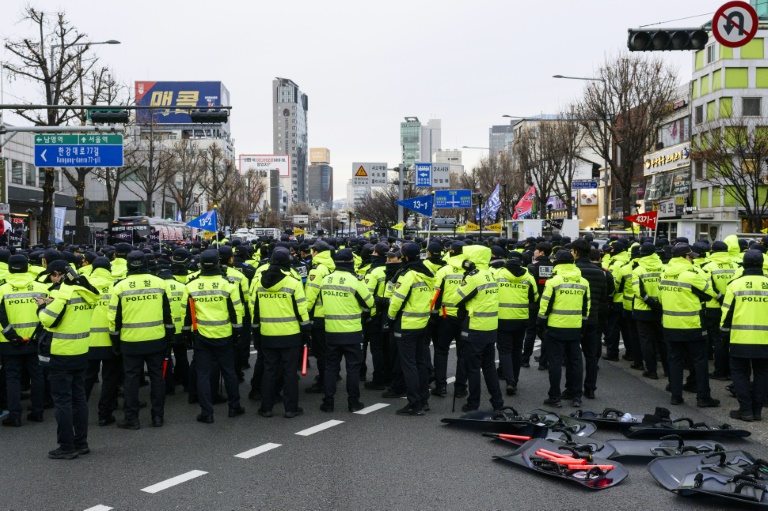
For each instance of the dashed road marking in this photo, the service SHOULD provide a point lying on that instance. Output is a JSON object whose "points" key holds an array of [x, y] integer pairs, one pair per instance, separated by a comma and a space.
{"points": [[100, 507], [450, 380], [173, 481], [258, 450], [372, 408], [254, 352], [319, 428]]}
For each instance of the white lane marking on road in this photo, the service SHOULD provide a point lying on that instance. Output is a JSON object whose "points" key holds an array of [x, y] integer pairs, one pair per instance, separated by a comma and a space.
{"points": [[372, 408], [258, 450], [450, 380], [319, 427], [453, 345], [100, 507], [173, 481], [253, 352]]}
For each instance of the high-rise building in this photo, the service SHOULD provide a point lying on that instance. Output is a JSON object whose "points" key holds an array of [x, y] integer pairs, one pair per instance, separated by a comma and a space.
{"points": [[500, 138], [289, 136], [320, 193], [418, 141], [320, 185]]}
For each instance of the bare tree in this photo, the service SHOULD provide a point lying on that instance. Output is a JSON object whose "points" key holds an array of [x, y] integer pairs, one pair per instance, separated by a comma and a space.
{"points": [[70, 63], [732, 152], [150, 162], [186, 175], [569, 138], [101, 88], [486, 175], [624, 107], [540, 157], [255, 189]]}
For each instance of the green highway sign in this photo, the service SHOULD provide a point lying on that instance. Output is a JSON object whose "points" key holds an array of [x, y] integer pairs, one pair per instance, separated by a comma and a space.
{"points": [[83, 139]]}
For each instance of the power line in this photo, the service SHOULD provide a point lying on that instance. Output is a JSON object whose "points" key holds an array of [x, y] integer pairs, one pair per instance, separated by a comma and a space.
{"points": [[696, 16]]}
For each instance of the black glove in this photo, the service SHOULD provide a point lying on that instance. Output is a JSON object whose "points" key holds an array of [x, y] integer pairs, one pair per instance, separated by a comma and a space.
{"points": [[720, 297], [16, 341], [306, 338], [541, 321], [187, 337]]}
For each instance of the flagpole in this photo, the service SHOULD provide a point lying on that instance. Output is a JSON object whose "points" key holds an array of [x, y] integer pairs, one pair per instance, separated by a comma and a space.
{"points": [[216, 216]]}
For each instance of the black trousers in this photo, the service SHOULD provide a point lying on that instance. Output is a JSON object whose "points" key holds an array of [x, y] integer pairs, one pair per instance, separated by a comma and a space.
{"points": [[71, 409], [615, 329], [413, 363], [319, 346], [574, 369], [652, 344], [510, 346], [372, 332], [393, 353], [448, 331], [530, 335], [111, 370], [752, 397], [482, 356], [206, 354], [591, 349], [719, 346], [133, 366], [632, 341], [14, 364], [180, 373], [696, 353], [277, 360], [353, 357]]}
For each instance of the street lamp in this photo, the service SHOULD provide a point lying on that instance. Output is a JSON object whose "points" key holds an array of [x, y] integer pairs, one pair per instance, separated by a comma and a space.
{"points": [[579, 78], [87, 43]]}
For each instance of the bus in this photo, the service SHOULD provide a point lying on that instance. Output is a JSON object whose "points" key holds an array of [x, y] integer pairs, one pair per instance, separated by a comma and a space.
{"points": [[141, 227]]}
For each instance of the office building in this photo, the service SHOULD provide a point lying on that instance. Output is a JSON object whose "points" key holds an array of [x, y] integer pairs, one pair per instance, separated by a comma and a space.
{"points": [[500, 139], [289, 136], [418, 142]]}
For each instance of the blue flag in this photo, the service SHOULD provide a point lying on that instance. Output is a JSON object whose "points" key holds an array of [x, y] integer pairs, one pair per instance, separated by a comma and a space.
{"points": [[422, 204], [492, 205], [207, 221]]}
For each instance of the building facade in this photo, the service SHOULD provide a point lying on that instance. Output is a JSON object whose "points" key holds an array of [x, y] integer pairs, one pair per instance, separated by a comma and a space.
{"points": [[729, 93], [500, 139], [418, 142], [450, 156], [320, 185], [289, 136]]}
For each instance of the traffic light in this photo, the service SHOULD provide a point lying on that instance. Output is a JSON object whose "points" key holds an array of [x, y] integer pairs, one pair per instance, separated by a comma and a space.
{"points": [[112, 116], [209, 116], [595, 171], [670, 39]]}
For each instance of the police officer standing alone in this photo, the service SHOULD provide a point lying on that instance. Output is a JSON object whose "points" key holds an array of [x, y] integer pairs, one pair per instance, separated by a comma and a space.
{"points": [[213, 311], [745, 320], [344, 296], [140, 324]]}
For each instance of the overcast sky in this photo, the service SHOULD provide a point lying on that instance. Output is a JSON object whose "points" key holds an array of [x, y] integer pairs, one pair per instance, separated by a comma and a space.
{"points": [[366, 65]]}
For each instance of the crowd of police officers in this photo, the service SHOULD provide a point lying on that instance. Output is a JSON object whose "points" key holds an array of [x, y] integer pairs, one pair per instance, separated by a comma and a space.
{"points": [[128, 315]]}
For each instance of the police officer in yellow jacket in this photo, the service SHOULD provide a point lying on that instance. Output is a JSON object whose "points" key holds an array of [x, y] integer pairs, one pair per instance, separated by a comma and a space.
{"points": [[447, 282], [681, 293], [565, 305], [322, 265], [62, 348], [517, 290], [345, 297], [281, 322], [722, 269], [18, 344], [408, 313], [212, 312], [141, 325], [479, 313], [101, 356], [745, 320]]}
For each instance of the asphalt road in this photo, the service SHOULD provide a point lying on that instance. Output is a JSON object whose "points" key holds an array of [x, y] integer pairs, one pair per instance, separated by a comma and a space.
{"points": [[335, 461]]}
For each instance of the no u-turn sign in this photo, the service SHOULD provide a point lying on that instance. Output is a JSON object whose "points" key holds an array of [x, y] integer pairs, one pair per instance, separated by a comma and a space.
{"points": [[735, 24]]}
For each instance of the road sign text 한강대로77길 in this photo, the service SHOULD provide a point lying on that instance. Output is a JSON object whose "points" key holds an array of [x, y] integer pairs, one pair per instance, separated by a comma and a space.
{"points": [[84, 150]]}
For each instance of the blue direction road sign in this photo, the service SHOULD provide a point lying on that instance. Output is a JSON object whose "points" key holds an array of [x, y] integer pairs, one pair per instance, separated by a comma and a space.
{"points": [[423, 175], [447, 199], [578, 185], [86, 150]]}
